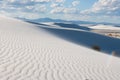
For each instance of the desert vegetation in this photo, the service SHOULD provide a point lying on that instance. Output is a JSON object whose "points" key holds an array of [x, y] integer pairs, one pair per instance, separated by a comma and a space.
{"points": [[95, 47], [115, 35]]}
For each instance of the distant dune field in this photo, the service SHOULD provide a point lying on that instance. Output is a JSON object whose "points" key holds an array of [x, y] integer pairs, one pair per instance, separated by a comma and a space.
{"points": [[107, 30]]}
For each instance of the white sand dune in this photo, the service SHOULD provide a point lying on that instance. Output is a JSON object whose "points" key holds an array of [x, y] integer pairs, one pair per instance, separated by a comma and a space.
{"points": [[30, 53], [105, 27]]}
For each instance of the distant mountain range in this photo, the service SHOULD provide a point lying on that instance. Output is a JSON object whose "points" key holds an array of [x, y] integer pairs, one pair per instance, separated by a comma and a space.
{"points": [[59, 21], [40, 20]]}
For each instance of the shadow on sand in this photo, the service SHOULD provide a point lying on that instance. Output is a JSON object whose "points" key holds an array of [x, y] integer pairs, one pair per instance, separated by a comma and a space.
{"points": [[84, 37], [75, 26], [88, 39]]}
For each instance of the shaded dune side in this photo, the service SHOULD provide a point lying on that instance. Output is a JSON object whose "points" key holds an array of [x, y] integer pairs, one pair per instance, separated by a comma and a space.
{"points": [[81, 35], [89, 39], [74, 26], [30, 53]]}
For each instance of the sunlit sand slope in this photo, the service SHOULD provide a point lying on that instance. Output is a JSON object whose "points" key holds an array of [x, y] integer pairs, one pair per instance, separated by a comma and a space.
{"points": [[30, 53]]}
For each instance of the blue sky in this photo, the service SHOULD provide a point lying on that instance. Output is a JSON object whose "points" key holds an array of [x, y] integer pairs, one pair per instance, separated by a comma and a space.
{"points": [[86, 10]]}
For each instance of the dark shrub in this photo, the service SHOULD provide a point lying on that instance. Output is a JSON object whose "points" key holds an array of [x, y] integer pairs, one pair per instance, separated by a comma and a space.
{"points": [[95, 47]]}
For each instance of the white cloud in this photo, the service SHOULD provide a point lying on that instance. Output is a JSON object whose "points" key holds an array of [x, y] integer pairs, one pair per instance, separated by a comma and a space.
{"points": [[11, 0], [39, 8], [54, 5], [75, 3], [70, 10], [19, 14], [59, 1], [25, 1], [51, 8], [105, 7], [57, 10], [40, 0], [64, 10]]}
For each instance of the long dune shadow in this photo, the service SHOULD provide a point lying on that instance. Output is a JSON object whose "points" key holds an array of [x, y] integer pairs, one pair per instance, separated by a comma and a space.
{"points": [[75, 26], [84, 37], [88, 39], [36, 23]]}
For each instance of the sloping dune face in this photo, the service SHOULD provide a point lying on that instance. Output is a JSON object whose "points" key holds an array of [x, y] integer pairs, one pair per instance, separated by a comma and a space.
{"points": [[30, 53]]}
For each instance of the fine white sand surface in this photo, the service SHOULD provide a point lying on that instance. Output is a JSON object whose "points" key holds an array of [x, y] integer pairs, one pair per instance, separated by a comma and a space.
{"points": [[108, 30], [105, 27], [28, 52]]}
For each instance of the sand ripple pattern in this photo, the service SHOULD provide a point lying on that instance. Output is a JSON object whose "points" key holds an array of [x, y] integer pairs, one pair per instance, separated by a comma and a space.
{"points": [[38, 55]]}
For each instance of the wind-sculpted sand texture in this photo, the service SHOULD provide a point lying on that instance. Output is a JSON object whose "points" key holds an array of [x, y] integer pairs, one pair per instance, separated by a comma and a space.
{"points": [[30, 53]]}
